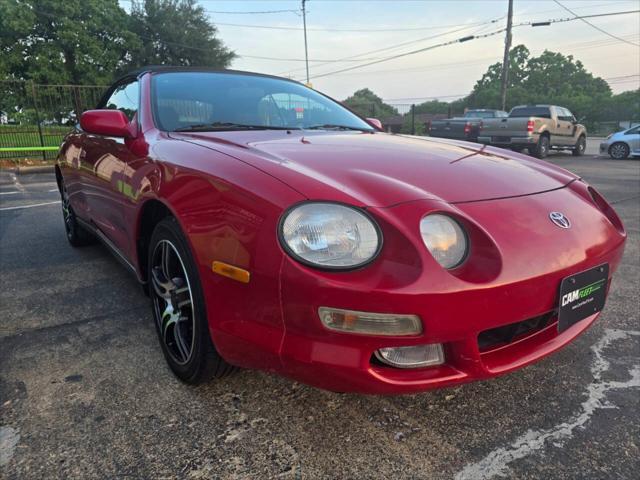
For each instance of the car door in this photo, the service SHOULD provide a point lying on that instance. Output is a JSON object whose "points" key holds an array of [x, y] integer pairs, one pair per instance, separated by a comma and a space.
{"points": [[564, 127], [102, 168], [633, 139]]}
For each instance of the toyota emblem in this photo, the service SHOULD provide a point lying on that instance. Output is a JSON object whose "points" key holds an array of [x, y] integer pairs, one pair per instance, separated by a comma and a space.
{"points": [[560, 220]]}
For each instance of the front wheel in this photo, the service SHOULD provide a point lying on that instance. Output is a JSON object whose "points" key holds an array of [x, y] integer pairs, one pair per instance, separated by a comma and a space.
{"points": [[179, 308], [580, 147], [619, 151]]}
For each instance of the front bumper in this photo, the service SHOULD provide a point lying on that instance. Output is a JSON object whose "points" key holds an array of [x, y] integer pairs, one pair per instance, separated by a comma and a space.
{"points": [[604, 148], [519, 280]]}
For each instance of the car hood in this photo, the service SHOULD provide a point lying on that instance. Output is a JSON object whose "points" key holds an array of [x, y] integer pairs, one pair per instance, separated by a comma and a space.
{"points": [[382, 170]]}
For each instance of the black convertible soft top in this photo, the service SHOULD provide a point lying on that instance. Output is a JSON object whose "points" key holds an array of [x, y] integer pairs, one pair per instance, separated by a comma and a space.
{"points": [[168, 68]]}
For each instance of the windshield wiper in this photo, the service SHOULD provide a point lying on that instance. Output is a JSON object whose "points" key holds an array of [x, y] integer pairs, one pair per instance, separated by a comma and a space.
{"points": [[331, 126], [215, 126]]}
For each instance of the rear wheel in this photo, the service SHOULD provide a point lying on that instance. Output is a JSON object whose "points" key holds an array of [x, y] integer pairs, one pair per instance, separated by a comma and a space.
{"points": [[541, 149], [76, 234], [580, 147], [619, 151], [179, 308]]}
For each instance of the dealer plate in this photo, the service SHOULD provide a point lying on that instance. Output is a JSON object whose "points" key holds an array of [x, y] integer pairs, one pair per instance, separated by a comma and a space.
{"points": [[581, 295]]}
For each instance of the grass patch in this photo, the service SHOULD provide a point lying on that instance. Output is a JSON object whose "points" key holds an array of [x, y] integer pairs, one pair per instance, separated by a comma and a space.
{"points": [[29, 136]]}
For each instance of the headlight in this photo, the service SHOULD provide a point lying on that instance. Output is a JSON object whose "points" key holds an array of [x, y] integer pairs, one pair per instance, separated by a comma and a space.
{"points": [[329, 235], [444, 239]]}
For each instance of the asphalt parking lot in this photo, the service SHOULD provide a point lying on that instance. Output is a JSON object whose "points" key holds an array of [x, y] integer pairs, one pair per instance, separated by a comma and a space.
{"points": [[85, 392]]}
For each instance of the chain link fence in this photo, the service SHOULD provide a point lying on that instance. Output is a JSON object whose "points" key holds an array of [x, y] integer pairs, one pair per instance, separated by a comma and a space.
{"points": [[35, 118], [405, 118], [411, 119]]}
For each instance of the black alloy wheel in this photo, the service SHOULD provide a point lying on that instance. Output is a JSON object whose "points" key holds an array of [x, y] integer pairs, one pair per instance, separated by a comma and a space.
{"points": [[179, 308]]}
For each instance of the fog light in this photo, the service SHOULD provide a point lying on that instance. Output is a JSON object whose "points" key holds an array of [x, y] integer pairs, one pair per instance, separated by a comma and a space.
{"points": [[369, 323], [412, 357]]}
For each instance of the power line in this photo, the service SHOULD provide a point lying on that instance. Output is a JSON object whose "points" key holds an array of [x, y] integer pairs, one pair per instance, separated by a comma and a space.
{"points": [[355, 30], [218, 12], [482, 61], [396, 46], [466, 39], [282, 59], [412, 52], [435, 97], [594, 26]]}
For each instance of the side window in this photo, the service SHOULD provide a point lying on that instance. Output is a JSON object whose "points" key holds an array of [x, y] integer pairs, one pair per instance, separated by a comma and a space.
{"points": [[564, 114], [561, 113], [570, 116], [125, 98]]}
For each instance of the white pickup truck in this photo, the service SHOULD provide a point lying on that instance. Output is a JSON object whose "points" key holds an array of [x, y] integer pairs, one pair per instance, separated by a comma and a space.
{"points": [[537, 128]]}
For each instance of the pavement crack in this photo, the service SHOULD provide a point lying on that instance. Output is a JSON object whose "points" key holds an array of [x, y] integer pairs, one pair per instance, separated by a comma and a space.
{"points": [[50, 328], [496, 463], [625, 199]]}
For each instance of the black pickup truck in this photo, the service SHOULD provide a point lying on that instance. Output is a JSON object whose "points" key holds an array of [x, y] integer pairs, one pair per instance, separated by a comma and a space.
{"points": [[466, 127]]}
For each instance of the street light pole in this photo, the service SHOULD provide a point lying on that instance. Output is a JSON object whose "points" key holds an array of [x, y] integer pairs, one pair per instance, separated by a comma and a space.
{"points": [[505, 62], [306, 53]]}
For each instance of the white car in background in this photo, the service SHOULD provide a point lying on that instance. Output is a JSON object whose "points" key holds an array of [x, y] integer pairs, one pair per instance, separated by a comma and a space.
{"points": [[622, 144]]}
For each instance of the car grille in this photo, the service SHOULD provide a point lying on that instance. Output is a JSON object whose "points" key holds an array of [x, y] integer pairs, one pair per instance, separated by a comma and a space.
{"points": [[500, 336]]}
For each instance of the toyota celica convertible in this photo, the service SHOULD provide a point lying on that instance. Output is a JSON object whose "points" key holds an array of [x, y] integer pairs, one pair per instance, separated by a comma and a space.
{"points": [[275, 229]]}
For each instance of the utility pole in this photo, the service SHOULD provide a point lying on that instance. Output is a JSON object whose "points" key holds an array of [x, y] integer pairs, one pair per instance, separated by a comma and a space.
{"points": [[505, 62], [306, 53]]}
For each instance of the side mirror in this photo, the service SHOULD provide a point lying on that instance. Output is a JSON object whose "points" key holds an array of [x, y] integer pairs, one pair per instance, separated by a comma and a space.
{"points": [[375, 123], [110, 123]]}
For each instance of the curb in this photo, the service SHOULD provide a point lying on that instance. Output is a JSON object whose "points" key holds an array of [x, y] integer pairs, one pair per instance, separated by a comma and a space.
{"points": [[28, 170]]}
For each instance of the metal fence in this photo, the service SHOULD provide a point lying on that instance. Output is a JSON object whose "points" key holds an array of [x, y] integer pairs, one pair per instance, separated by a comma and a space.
{"points": [[403, 117], [34, 118]]}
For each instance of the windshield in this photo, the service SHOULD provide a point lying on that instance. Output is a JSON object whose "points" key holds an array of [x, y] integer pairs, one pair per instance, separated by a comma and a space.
{"points": [[480, 114], [542, 112], [231, 101]]}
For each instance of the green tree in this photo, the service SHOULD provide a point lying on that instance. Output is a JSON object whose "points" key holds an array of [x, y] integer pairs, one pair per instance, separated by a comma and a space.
{"points": [[550, 78], [176, 32], [486, 92], [368, 104], [61, 42]]}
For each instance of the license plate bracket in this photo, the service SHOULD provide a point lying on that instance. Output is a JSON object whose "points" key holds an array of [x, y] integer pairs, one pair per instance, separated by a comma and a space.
{"points": [[582, 295]]}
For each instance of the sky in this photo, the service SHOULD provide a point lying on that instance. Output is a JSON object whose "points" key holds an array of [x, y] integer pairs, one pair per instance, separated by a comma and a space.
{"points": [[339, 29]]}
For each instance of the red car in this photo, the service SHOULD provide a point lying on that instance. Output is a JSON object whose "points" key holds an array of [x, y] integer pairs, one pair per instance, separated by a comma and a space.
{"points": [[275, 229]]}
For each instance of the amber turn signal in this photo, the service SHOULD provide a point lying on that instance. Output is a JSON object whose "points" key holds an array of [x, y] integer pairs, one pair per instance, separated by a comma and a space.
{"points": [[235, 273]]}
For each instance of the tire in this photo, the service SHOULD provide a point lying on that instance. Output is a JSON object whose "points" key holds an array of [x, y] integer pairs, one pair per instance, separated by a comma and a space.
{"points": [[619, 151], [76, 234], [178, 306], [580, 147], [541, 150]]}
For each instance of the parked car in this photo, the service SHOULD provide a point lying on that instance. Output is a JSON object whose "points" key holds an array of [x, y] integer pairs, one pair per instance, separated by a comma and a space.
{"points": [[466, 127], [538, 128], [305, 241], [622, 144]]}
